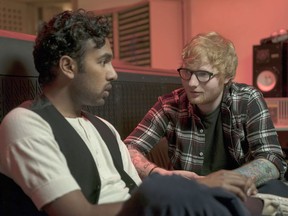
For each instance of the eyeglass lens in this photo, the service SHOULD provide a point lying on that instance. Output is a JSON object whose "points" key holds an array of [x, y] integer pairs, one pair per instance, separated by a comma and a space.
{"points": [[202, 76]]}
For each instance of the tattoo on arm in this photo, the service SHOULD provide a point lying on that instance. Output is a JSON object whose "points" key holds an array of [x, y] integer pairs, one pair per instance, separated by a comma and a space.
{"points": [[261, 170], [141, 163]]}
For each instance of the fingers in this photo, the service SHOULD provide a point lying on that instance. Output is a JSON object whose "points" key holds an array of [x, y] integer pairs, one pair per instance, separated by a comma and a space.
{"points": [[236, 190], [250, 187], [242, 187], [234, 182], [246, 184]]}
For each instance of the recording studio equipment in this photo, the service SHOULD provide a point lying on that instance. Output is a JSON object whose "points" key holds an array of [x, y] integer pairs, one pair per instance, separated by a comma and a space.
{"points": [[276, 39], [270, 69]]}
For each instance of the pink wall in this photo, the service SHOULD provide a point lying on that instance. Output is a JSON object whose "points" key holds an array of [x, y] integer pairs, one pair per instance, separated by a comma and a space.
{"points": [[166, 34], [245, 22], [102, 4]]}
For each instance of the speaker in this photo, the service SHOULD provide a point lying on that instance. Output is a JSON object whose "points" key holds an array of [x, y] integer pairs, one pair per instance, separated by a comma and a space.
{"points": [[270, 69]]}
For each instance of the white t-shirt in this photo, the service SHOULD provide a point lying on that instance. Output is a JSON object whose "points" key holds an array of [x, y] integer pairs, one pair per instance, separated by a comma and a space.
{"points": [[30, 155]]}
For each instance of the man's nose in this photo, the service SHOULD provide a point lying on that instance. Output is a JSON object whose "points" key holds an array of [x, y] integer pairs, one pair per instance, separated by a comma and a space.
{"points": [[112, 73], [193, 80]]}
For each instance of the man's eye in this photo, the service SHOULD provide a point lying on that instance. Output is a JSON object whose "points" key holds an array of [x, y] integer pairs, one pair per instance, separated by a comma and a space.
{"points": [[202, 74], [103, 62]]}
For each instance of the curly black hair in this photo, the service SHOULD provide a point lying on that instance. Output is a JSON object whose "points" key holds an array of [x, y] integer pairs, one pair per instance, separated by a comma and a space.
{"points": [[66, 34]]}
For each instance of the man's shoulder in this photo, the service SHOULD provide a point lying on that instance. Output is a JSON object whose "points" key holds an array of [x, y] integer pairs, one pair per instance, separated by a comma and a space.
{"points": [[20, 122], [23, 114], [241, 86], [20, 110], [18, 113], [174, 103], [241, 95], [242, 89], [176, 96]]}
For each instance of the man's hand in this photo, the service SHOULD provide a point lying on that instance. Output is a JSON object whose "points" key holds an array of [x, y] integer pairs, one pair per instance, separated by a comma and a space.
{"points": [[234, 182]]}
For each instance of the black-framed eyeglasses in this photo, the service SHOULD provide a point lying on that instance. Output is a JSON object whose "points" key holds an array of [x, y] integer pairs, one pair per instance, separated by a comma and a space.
{"points": [[201, 75]]}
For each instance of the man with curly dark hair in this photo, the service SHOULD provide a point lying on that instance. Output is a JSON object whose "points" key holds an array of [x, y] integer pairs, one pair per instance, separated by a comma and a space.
{"points": [[50, 166]]}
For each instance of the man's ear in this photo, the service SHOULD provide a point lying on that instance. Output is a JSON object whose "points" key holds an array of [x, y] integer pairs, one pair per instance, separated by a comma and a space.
{"points": [[68, 66], [227, 80]]}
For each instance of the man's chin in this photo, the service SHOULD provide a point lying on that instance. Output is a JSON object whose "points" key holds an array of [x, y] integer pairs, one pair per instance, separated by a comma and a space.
{"points": [[100, 102], [195, 101]]}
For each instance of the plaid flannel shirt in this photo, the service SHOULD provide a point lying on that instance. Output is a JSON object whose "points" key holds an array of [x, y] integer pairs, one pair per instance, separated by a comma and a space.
{"points": [[248, 130]]}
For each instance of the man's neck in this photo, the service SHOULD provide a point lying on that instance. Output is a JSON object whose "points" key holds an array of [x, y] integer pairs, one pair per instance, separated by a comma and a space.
{"points": [[211, 106], [63, 103]]}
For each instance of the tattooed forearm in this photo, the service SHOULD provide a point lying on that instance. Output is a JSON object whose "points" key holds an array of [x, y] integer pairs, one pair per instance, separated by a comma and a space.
{"points": [[142, 164], [261, 170]]}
